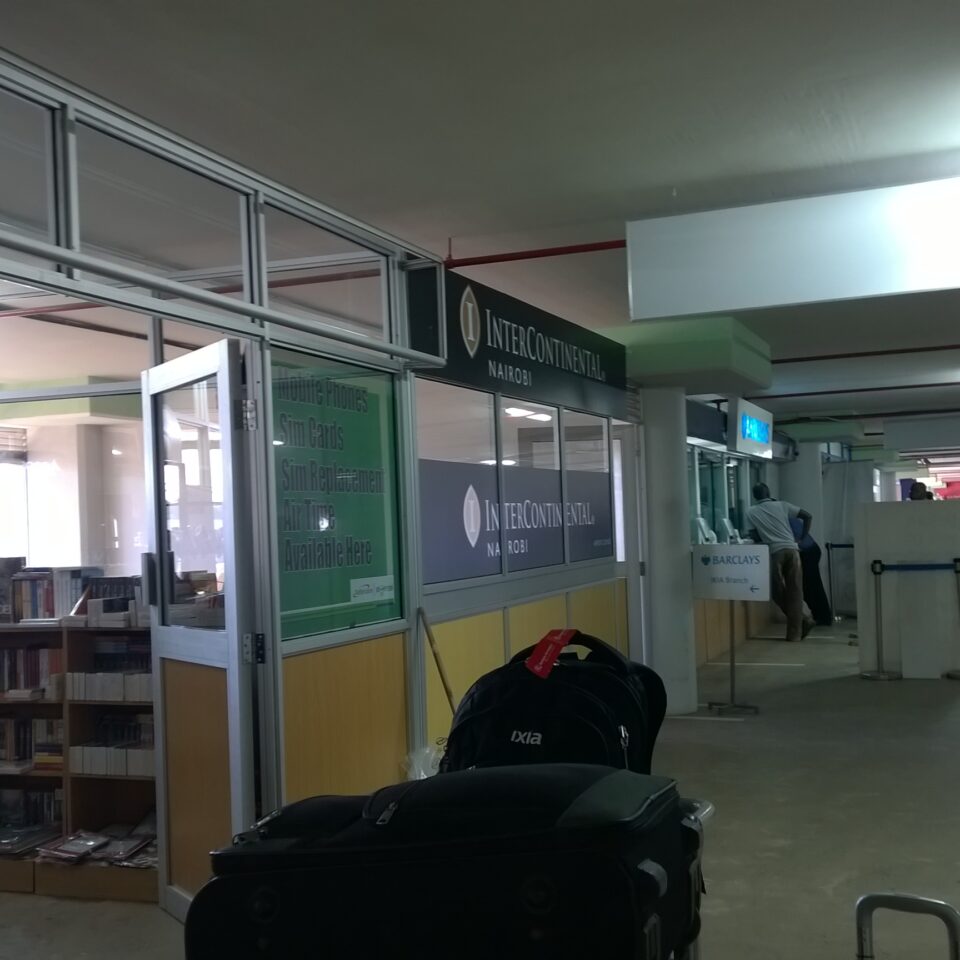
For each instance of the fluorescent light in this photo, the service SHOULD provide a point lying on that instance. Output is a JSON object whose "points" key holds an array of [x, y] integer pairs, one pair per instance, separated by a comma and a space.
{"points": [[278, 443], [116, 452], [542, 417], [509, 463], [489, 463], [517, 412]]}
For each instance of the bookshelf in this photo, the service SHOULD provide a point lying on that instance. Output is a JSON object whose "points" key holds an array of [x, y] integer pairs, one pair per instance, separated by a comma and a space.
{"points": [[95, 733]]}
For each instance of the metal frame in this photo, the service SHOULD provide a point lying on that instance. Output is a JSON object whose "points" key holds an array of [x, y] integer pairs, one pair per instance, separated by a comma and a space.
{"points": [[31, 83], [206, 297], [78, 274], [220, 648]]}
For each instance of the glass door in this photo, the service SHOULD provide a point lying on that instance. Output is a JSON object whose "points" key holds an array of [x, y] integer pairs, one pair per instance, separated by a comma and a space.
{"points": [[199, 579]]}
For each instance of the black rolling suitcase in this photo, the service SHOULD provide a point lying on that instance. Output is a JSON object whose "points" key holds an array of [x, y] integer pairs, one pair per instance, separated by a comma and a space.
{"points": [[558, 861]]}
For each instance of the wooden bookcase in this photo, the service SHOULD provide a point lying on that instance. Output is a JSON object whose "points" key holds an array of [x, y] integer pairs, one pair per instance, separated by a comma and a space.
{"points": [[90, 801]]}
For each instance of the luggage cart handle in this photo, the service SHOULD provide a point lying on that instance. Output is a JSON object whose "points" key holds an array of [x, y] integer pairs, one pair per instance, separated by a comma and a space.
{"points": [[903, 903]]}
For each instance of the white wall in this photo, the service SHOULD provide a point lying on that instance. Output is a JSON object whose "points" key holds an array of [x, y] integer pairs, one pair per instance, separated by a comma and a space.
{"points": [[86, 505], [921, 615], [669, 583], [801, 483], [846, 486], [53, 506], [115, 497]]}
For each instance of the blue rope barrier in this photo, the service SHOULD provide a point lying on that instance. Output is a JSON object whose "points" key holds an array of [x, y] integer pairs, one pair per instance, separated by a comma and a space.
{"points": [[918, 566]]}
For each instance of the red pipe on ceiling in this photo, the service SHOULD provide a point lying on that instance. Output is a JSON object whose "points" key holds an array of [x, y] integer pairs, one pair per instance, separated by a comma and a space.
{"points": [[451, 263]]}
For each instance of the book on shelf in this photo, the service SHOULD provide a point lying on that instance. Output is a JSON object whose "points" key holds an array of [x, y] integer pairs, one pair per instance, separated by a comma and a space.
{"points": [[26, 670], [48, 593], [91, 687], [19, 841], [8, 567], [110, 602], [78, 846], [31, 807], [14, 767], [123, 747], [114, 844], [27, 745], [23, 694]]}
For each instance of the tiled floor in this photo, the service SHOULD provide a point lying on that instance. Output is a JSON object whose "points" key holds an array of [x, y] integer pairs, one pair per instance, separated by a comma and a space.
{"points": [[839, 787]]}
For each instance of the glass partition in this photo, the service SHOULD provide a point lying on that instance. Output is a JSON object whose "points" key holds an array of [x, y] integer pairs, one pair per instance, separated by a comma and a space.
{"points": [[193, 506], [156, 216], [71, 484], [25, 201], [49, 339], [532, 515], [334, 444], [457, 451], [312, 272], [586, 461]]}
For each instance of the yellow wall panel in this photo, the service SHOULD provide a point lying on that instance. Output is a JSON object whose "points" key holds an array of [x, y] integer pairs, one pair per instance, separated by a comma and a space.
{"points": [[198, 768], [593, 610], [469, 648], [528, 622], [623, 621], [344, 718]]}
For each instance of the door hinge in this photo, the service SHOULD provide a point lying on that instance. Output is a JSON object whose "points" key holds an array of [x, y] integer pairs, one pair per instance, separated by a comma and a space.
{"points": [[643, 568], [246, 648], [260, 647], [248, 410]]}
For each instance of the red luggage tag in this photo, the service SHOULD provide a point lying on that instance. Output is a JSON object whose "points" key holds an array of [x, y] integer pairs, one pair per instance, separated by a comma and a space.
{"points": [[545, 653]]}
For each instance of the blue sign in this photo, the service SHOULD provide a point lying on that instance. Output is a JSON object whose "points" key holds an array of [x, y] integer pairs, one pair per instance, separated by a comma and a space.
{"points": [[755, 429]]}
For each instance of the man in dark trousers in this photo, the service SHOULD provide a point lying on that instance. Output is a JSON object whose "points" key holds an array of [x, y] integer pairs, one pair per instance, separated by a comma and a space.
{"points": [[769, 520], [813, 593]]}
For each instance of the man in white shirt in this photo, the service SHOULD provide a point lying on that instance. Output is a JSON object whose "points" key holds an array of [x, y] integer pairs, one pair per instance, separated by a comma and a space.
{"points": [[770, 523]]}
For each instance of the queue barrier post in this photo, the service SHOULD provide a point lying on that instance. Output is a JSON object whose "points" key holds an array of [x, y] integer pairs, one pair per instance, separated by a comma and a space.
{"points": [[881, 673]]}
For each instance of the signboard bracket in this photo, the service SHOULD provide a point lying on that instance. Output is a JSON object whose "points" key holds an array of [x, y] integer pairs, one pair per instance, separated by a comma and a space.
{"points": [[731, 705]]}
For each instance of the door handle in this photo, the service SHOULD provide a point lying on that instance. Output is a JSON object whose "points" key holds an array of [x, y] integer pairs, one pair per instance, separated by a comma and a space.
{"points": [[148, 572]]}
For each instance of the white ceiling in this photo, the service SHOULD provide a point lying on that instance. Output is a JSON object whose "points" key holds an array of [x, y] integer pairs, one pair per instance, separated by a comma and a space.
{"points": [[503, 125]]}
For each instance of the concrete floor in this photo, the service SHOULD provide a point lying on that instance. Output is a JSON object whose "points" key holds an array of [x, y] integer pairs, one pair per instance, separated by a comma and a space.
{"points": [[838, 787]]}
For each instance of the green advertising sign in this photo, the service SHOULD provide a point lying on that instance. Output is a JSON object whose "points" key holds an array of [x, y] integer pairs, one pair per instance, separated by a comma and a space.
{"points": [[335, 456]]}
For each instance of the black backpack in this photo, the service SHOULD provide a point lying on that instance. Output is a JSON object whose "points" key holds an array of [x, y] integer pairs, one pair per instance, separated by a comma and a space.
{"points": [[603, 709]]}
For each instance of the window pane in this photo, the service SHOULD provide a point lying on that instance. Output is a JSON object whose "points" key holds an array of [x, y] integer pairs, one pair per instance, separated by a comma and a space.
{"points": [[619, 524], [693, 494], [52, 339], [156, 216], [24, 186], [75, 497], [587, 463], [456, 446], [193, 507], [180, 338], [532, 516], [317, 274], [334, 439]]}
